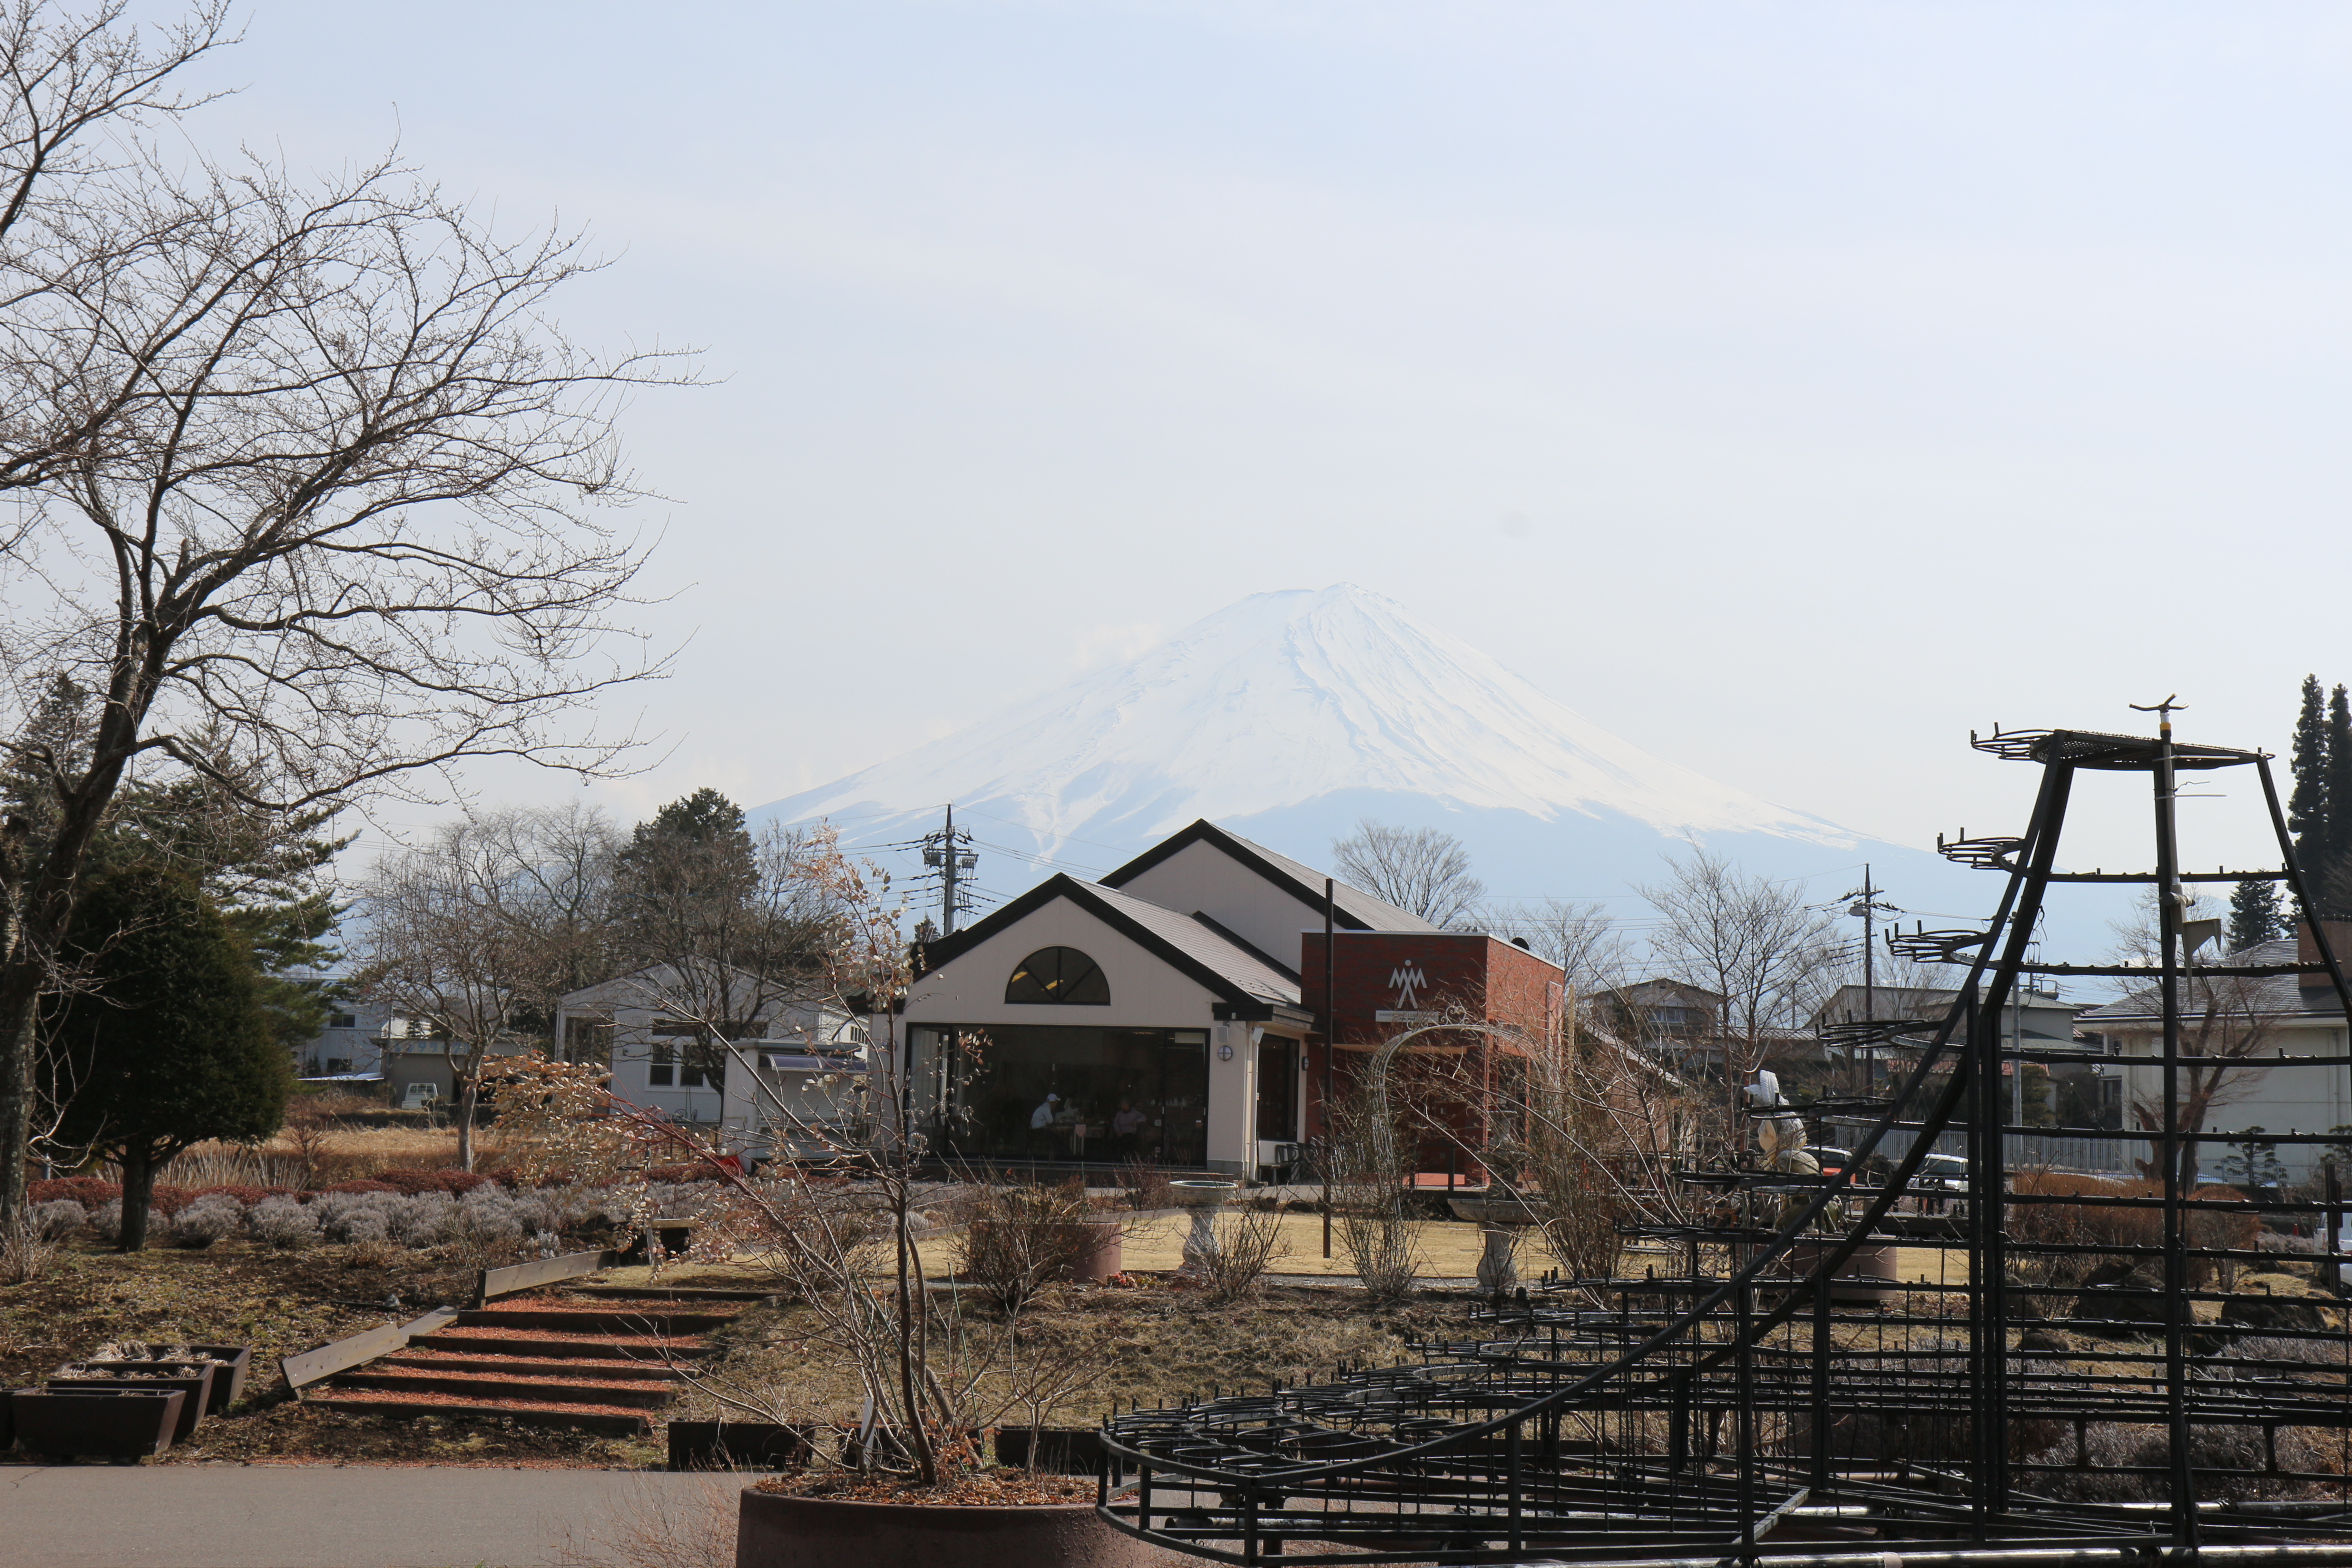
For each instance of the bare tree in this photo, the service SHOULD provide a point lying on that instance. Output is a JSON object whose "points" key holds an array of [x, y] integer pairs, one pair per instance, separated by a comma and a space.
{"points": [[716, 955], [559, 864], [1579, 937], [443, 947], [1419, 869], [306, 474], [1752, 942]]}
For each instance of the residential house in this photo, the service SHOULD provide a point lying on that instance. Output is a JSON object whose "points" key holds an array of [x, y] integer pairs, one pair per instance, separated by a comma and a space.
{"points": [[722, 1051], [2261, 1026]]}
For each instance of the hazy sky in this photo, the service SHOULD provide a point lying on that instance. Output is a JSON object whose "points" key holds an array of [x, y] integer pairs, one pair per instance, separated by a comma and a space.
{"points": [[1788, 387]]}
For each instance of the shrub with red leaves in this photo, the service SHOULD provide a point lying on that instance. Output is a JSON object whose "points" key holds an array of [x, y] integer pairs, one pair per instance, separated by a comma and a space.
{"points": [[456, 1183], [169, 1200], [86, 1190], [402, 1180], [362, 1186]]}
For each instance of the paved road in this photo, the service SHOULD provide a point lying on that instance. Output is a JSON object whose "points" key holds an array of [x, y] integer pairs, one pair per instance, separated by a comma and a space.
{"points": [[356, 1516]]}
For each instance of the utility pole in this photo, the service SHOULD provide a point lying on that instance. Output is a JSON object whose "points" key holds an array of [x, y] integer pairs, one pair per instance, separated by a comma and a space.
{"points": [[945, 851], [1330, 1046], [1867, 907]]}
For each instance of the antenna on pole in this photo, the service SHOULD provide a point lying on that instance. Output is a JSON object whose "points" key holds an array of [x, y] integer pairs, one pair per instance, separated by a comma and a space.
{"points": [[2165, 710]]}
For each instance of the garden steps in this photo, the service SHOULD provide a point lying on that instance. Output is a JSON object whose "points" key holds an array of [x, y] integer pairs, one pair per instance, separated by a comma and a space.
{"points": [[608, 1420], [541, 1389], [567, 1366], [672, 1293], [600, 1347], [641, 1318], [605, 1363]]}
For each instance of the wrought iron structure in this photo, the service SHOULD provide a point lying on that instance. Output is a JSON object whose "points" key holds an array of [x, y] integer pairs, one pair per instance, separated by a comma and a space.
{"points": [[1766, 1390]]}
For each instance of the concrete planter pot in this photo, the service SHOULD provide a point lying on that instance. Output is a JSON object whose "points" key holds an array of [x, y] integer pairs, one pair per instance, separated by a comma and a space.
{"points": [[1106, 1252], [112, 1423], [777, 1531], [194, 1379], [1096, 1247], [1865, 1280]]}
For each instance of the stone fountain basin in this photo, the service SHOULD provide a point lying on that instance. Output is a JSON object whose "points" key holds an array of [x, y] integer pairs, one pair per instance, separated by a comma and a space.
{"points": [[1492, 1211], [1197, 1195]]}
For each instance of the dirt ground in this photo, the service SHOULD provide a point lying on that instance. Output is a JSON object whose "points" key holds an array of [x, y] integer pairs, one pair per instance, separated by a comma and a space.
{"points": [[1149, 1342], [279, 1302]]}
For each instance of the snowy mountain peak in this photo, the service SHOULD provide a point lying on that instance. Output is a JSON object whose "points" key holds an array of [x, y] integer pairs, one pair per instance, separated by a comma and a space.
{"points": [[1278, 700]]}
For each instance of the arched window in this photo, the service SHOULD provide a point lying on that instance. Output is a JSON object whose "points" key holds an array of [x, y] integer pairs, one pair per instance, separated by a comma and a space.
{"points": [[1059, 975]]}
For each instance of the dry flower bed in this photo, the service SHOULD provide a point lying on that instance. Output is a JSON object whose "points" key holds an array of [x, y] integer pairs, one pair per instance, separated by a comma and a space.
{"points": [[1153, 1344]]}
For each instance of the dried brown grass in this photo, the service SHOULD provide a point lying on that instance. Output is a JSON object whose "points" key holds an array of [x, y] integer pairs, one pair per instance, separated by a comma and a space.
{"points": [[648, 1522], [1248, 1240]]}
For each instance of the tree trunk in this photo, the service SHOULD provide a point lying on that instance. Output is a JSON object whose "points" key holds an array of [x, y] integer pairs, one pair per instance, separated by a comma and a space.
{"points": [[15, 1107], [469, 1087], [138, 1194]]}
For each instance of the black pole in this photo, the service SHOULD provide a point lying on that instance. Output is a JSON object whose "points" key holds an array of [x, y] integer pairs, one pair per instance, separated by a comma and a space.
{"points": [[1331, 1047], [2176, 1241]]}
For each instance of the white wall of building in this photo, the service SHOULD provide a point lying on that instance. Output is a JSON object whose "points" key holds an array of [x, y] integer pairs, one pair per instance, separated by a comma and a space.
{"points": [[2276, 1098], [1146, 992], [1202, 877]]}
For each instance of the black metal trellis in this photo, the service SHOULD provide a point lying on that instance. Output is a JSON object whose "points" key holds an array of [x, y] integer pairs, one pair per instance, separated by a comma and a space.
{"points": [[1769, 1398]]}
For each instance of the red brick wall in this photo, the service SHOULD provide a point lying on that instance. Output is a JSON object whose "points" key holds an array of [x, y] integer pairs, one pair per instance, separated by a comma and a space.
{"points": [[1485, 979]]}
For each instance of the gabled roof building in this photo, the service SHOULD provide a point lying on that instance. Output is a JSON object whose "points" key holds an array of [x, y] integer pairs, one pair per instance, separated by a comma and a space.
{"points": [[1173, 1011]]}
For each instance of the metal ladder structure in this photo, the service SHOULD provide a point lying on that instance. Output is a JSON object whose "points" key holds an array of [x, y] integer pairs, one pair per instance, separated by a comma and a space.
{"points": [[1759, 1401]]}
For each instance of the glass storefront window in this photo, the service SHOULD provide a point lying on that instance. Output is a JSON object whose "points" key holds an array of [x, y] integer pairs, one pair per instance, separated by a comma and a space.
{"points": [[1277, 1090], [1069, 1092]]}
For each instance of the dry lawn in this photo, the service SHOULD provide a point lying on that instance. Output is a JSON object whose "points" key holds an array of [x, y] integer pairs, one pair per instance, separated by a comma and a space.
{"points": [[1151, 1344]]}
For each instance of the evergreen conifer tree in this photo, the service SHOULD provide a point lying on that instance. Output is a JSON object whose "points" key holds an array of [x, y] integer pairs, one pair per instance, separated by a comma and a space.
{"points": [[2338, 862], [2307, 817], [2254, 914], [166, 1043]]}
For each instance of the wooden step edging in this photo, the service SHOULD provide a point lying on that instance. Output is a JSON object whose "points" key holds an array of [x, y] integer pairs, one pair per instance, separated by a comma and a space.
{"points": [[519, 1277], [371, 1401], [604, 1347], [341, 1355], [537, 1390]]}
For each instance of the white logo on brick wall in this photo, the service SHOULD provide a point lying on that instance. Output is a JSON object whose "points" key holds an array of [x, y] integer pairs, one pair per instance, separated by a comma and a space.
{"points": [[1407, 978]]}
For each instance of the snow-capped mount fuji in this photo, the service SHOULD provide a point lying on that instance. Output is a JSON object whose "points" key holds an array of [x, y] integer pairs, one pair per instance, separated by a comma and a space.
{"points": [[1286, 717]]}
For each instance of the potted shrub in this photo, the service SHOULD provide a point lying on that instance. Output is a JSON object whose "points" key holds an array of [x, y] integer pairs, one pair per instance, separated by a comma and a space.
{"points": [[119, 1423], [229, 1364], [194, 1379]]}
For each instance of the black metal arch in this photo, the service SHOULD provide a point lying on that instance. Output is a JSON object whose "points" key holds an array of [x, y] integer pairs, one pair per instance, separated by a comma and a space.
{"points": [[1741, 1407]]}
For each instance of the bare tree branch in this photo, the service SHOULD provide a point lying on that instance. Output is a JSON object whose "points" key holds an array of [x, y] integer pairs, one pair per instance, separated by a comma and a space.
{"points": [[1418, 869]]}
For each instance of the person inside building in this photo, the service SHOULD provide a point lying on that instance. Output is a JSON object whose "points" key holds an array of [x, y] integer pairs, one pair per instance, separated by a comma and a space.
{"points": [[1127, 1128], [1041, 1127]]}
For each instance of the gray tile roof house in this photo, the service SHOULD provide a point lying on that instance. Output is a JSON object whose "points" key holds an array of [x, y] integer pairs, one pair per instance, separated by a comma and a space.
{"points": [[2265, 1024]]}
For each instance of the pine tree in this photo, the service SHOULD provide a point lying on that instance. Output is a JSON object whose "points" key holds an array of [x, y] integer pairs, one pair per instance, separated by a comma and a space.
{"points": [[2339, 790], [2254, 914], [166, 1044], [2307, 817], [267, 872]]}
